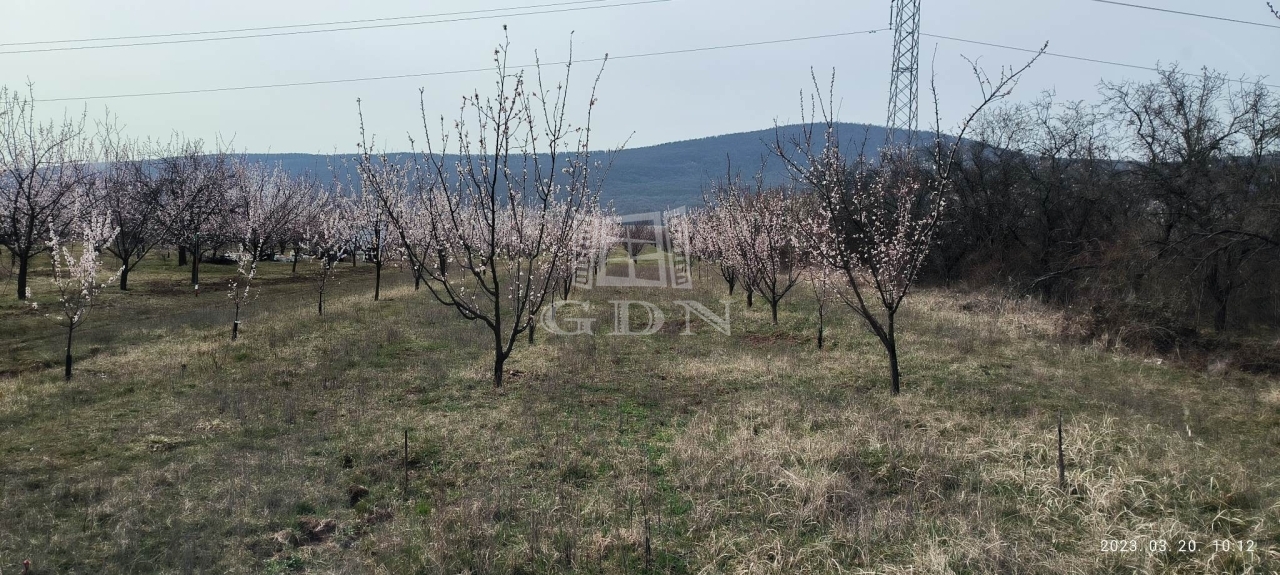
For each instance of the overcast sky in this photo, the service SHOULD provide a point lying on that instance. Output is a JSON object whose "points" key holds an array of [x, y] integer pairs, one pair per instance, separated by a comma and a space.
{"points": [[652, 100]]}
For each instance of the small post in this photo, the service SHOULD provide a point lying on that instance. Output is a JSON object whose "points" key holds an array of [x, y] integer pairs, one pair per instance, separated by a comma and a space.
{"points": [[67, 372], [406, 463], [820, 325], [1062, 463], [648, 547]]}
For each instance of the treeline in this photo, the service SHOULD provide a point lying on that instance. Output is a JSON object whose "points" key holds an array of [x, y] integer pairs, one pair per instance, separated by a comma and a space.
{"points": [[204, 201], [1152, 214], [1156, 208], [1155, 212]]}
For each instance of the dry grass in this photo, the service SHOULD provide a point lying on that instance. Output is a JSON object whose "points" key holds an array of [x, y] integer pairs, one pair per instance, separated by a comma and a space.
{"points": [[174, 450]]}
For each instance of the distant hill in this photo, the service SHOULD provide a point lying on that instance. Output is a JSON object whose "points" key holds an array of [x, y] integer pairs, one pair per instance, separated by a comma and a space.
{"points": [[674, 174], [662, 176]]}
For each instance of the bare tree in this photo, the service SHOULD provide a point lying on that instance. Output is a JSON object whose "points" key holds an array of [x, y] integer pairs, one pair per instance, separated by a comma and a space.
{"points": [[131, 194], [983, 224], [44, 168], [1199, 147], [645, 234], [505, 214]]}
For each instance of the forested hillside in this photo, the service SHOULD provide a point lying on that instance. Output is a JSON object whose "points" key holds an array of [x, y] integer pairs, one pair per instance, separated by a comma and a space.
{"points": [[653, 177]]}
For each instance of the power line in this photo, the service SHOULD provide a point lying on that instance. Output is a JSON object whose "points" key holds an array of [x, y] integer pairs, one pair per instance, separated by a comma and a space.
{"points": [[1181, 13], [326, 30], [1080, 58], [623, 57], [466, 71], [743, 45], [289, 26]]}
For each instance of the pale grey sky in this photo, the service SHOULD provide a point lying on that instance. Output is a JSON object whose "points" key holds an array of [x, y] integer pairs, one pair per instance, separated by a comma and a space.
{"points": [[659, 99]]}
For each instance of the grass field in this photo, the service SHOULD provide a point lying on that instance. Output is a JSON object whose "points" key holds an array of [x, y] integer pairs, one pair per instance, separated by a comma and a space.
{"points": [[176, 450]]}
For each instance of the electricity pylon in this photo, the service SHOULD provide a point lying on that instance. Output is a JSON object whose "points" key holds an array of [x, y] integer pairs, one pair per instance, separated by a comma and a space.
{"points": [[904, 76]]}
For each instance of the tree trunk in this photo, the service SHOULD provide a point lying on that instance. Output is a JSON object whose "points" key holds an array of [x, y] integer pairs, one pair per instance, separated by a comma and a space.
{"points": [[498, 362], [295, 261], [749, 294], [235, 328], [182, 256], [1220, 316], [320, 304], [417, 281], [195, 268], [124, 278], [377, 278], [67, 370], [895, 376], [1221, 295], [821, 326], [773, 307], [532, 326], [23, 262]]}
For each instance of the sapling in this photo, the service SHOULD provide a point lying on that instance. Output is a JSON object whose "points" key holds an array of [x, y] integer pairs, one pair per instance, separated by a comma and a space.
{"points": [[328, 239], [819, 278], [265, 204], [76, 278], [240, 287]]}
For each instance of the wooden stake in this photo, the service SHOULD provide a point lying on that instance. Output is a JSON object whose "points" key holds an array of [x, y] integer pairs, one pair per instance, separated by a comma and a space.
{"points": [[648, 548], [1062, 463]]}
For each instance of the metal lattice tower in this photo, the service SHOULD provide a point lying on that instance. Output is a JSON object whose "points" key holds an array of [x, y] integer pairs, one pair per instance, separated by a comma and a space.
{"points": [[904, 76]]}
